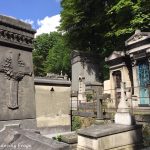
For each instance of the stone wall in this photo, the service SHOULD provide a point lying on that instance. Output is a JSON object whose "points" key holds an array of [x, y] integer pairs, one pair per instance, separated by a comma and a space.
{"points": [[53, 103]]}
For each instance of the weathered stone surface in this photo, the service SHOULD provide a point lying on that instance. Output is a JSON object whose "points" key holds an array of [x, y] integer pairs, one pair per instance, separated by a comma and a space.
{"points": [[97, 131], [16, 70], [24, 123], [110, 136], [15, 33], [50, 95], [70, 138], [48, 131], [16, 138]]}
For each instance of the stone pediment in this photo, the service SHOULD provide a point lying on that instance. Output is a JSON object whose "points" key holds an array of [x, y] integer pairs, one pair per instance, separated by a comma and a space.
{"points": [[138, 36], [115, 55]]}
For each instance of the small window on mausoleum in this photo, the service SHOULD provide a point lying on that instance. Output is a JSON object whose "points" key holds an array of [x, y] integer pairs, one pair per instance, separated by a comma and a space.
{"points": [[117, 78]]}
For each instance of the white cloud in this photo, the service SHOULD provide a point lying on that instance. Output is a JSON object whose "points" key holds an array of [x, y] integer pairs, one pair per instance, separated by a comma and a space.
{"points": [[48, 24]]}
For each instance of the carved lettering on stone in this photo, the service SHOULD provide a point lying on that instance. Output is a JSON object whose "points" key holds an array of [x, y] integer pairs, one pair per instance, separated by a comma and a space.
{"points": [[14, 69]]}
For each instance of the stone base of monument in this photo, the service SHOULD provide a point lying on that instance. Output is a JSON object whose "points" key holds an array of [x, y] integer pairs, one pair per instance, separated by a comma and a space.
{"points": [[124, 118], [24, 123], [71, 139], [111, 136], [99, 121]]}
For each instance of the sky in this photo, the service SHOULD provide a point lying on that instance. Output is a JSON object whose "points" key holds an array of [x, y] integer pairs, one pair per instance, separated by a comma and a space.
{"points": [[43, 15]]}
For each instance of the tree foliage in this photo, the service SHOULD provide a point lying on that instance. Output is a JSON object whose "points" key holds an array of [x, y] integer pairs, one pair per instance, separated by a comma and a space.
{"points": [[58, 58], [50, 54], [98, 26], [102, 26], [124, 17], [81, 21]]}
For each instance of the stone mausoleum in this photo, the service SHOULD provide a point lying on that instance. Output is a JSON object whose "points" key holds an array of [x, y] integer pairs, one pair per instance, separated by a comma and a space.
{"points": [[128, 88], [131, 66], [85, 76]]}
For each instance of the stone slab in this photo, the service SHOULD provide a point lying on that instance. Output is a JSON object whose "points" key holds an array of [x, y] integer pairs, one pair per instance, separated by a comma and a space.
{"points": [[54, 130], [127, 147], [16, 138], [97, 131], [70, 138], [110, 137]]}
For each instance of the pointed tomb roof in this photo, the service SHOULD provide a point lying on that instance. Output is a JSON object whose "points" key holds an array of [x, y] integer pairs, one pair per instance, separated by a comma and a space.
{"points": [[137, 37], [116, 59], [115, 55], [138, 41]]}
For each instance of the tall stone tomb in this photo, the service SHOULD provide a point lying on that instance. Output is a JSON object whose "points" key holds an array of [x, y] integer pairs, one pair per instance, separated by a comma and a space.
{"points": [[85, 68], [17, 102], [86, 85], [85, 73]]}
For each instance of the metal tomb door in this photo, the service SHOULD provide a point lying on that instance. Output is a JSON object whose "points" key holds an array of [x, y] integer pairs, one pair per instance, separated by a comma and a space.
{"points": [[144, 78]]}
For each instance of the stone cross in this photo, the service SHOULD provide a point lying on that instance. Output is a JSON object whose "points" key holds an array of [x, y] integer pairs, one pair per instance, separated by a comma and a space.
{"points": [[14, 69], [99, 109]]}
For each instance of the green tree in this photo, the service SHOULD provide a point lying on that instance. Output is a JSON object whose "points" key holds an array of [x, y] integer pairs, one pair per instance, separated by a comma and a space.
{"points": [[58, 58], [123, 18], [102, 26], [99, 25], [76, 123], [50, 54], [83, 23]]}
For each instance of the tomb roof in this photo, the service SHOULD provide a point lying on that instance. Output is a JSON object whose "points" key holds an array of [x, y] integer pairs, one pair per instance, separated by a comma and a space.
{"points": [[15, 23], [138, 36], [115, 55]]}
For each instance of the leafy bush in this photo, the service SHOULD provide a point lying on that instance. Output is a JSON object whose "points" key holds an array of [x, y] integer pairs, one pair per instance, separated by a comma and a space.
{"points": [[76, 123]]}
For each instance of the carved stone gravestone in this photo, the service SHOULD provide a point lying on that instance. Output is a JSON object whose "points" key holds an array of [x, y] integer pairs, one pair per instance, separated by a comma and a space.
{"points": [[17, 103]]}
